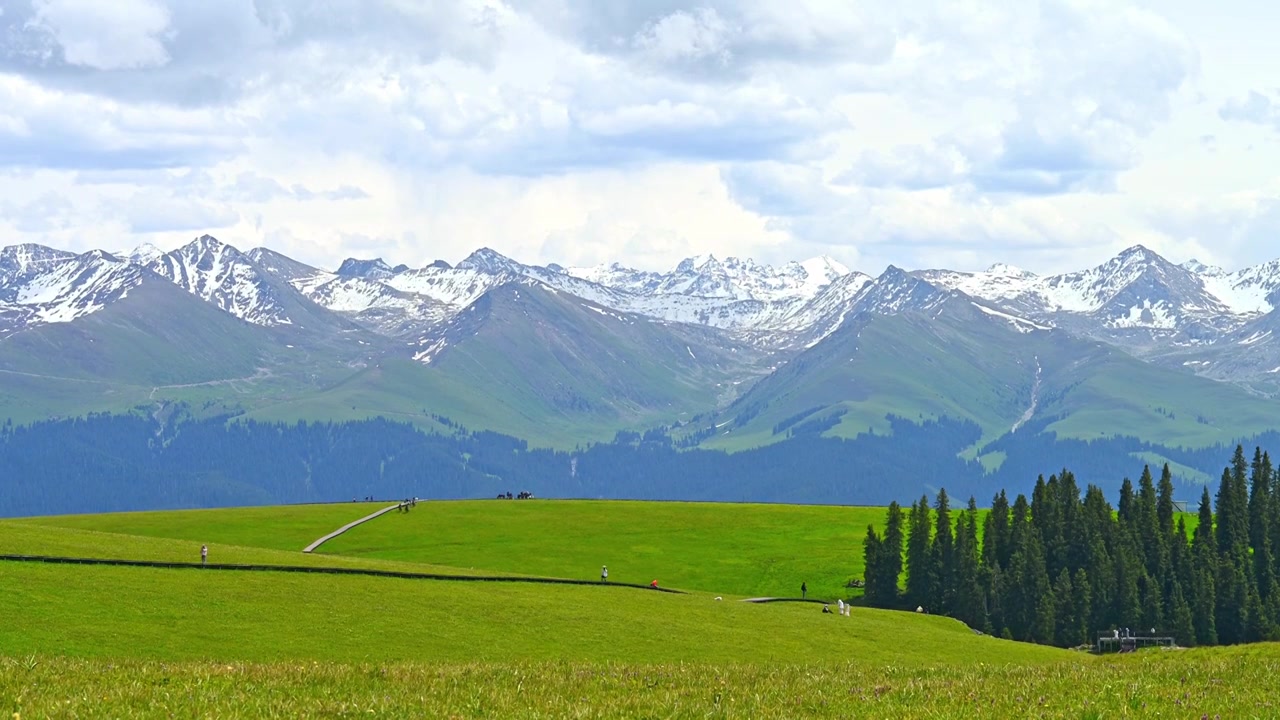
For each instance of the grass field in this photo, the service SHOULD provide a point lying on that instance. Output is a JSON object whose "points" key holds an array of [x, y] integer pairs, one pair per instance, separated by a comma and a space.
{"points": [[99, 641], [285, 527], [1218, 683], [736, 549]]}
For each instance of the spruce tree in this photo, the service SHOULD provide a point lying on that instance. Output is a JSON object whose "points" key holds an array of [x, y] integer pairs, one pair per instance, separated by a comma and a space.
{"points": [[1082, 606], [1125, 510], [1164, 503], [1204, 563], [1180, 623], [969, 604], [872, 581], [996, 545], [942, 558], [1260, 505], [891, 551], [919, 579], [1066, 624]]}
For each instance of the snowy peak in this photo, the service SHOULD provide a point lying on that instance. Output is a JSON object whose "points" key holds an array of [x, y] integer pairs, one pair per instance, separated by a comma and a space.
{"points": [[72, 287], [745, 279], [617, 276], [487, 260], [18, 262], [375, 269], [224, 276], [897, 291], [1200, 268], [1251, 291], [141, 255], [282, 266]]}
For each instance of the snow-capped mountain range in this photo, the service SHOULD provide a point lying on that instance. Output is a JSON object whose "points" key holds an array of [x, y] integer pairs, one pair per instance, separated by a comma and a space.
{"points": [[1196, 316]]}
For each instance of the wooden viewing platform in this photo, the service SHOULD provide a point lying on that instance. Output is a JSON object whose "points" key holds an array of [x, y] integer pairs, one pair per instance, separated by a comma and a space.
{"points": [[1110, 642]]}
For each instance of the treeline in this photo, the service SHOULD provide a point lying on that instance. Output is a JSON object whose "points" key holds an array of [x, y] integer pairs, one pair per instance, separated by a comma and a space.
{"points": [[108, 462], [1061, 568], [105, 463]]}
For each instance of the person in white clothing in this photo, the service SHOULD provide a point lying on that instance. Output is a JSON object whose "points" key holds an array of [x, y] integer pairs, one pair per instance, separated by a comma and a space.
{"points": [[604, 573], [840, 605], [204, 554]]}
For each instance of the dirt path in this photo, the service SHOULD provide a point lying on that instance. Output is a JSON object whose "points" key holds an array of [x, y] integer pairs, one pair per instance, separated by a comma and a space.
{"points": [[348, 526]]}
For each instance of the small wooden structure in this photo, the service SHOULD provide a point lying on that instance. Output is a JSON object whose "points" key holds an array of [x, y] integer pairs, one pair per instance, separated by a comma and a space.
{"points": [[1123, 642]]}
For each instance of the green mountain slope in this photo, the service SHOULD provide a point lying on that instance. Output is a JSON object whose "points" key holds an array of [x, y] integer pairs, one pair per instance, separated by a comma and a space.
{"points": [[547, 367], [160, 343], [958, 361]]}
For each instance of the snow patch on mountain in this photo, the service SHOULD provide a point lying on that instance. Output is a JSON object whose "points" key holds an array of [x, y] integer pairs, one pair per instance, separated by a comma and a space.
{"points": [[223, 276], [1022, 325], [74, 288]]}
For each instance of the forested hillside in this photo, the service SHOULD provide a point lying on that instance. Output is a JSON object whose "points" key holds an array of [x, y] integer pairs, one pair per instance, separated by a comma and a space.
{"points": [[1058, 569], [124, 462]]}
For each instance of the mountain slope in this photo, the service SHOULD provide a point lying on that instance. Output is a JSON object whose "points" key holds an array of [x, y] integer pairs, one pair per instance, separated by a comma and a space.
{"points": [[531, 361], [920, 352]]}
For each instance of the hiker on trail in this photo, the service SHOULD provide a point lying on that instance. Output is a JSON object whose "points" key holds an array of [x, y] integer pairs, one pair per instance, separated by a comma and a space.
{"points": [[804, 590], [204, 554], [604, 573]]}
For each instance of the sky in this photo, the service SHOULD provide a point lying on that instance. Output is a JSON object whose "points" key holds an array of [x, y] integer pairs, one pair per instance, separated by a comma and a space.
{"points": [[1047, 135]]}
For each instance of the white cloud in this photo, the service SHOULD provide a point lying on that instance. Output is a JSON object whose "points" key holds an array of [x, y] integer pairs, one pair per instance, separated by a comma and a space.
{"points": [[1048, 133], [112, 35]]}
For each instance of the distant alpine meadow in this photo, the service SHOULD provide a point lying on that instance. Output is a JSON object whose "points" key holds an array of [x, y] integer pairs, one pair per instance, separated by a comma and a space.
{"points": [[470, 628]]}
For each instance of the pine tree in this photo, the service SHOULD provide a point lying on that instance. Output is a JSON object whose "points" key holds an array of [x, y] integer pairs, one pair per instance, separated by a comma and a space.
{"points": [[919, 579], [1204, 563], [1180, 622], [996, 545], [1260, 502], [1066, 625], [1082, 606], [942, 557], [1028, 589], [891, 551], [969, 604], [1164, 503], [1125, 510], [1152, 542], [872, 581]]}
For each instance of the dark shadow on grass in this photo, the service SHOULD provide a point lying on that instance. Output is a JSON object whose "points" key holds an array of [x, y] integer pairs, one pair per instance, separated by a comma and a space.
{"points": [[328, 571]]}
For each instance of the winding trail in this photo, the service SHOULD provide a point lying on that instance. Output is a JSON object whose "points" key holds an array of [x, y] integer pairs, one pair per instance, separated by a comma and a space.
{"points": [[348, 526]]}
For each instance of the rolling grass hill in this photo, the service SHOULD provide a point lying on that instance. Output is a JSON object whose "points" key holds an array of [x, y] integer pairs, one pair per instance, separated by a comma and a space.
{"points": [[95, 641], [280, 527], [108, 612], [745, 550]]}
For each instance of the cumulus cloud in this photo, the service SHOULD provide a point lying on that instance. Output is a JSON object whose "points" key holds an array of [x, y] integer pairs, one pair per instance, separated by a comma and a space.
{"points": [[581, 131], [1252, 108], [105, 36]]}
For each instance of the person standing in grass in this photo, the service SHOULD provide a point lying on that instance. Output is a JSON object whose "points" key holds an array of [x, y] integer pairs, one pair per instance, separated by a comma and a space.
{"points": [[804, 590], [604, 573], [204, 554]]}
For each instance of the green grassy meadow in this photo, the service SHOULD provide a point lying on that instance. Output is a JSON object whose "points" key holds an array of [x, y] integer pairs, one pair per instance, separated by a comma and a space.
{"points": [[734, 549], [1218, 683], [285, 527], [105, 641]]}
